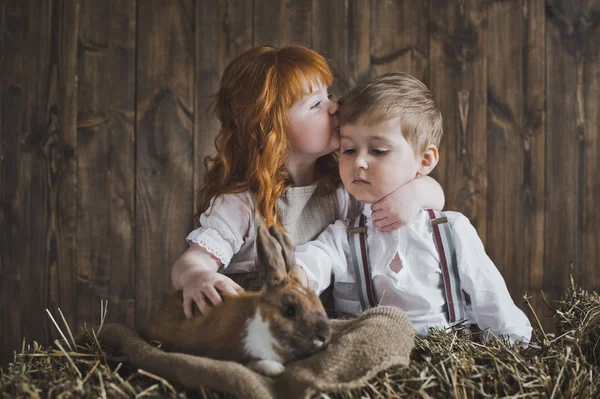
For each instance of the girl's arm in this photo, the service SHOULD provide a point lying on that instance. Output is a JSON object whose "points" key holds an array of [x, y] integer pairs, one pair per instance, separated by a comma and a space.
{"points": [[224, 230], [402, 206]]}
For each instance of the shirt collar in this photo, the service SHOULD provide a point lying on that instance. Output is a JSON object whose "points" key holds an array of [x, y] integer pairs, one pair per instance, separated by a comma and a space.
{"points": [[367, 211]]}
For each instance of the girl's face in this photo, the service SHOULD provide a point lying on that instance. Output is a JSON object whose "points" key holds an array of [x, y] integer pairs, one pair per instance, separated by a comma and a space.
{"points": [[313, 125]]}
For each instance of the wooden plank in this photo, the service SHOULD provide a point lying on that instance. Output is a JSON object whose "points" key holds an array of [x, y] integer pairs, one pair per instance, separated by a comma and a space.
{"points": [[282, 22], [505, 141], [37, 168], [359, 37], [572, 80], [568, 38], [222, 33], [534, 179], [330, 37], [5, 353], [164, 145], [60, 150], [515, 112], [458, 79], [589, 120], [105, 174], [400, 37]]}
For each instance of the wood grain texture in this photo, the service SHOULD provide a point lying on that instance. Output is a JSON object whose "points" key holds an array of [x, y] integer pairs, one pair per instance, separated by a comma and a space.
{"points": [[458, 79], [104, 129], [282, 22], [60, 149], [222, 33], [400, 37], [37, 168], [105, 173], [505, 139], [164, 145], [5, 345], [534, 147], [515, 143], [572, 77], [589, 270], [330, 37], [359, 40], [563, 152]]}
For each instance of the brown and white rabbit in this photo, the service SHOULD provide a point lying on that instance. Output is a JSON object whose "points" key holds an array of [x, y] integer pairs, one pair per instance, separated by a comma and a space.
{"points": [[265, 330]]}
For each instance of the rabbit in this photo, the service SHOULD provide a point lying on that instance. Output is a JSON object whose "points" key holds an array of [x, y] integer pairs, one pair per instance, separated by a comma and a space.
{"points": [[263, 330]]}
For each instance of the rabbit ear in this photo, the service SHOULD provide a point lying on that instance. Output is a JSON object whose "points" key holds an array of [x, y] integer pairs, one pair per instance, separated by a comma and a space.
{"points": [[287, 249], [269, 257]]}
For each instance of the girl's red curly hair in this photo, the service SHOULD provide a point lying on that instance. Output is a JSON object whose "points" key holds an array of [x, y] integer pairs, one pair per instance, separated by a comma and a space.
{"points": [[257, 90]]}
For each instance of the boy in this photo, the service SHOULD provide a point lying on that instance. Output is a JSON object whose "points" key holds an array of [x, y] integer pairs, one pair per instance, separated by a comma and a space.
{"points": [[435, 268]]}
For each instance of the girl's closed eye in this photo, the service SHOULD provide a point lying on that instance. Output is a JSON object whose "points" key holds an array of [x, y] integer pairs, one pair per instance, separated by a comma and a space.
{"points": [[318, 104], [348, 151]]}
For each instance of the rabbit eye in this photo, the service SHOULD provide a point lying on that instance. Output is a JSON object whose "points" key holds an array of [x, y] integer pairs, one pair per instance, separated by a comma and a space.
{"points": [[290, 310]]}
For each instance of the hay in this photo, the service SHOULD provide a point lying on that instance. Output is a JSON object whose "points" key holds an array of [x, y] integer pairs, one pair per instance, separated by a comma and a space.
{"points": [[444, 365]]}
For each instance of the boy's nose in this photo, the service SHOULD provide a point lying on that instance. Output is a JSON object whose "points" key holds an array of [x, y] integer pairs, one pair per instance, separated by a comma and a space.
{"points": [[333, 107], [360, 162]]}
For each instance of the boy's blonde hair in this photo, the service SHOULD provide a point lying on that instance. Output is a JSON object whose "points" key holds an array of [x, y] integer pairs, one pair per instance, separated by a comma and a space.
{"points": [[395, 96]]}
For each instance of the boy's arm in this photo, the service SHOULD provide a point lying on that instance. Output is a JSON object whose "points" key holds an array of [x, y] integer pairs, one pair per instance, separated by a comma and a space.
{"points": [[402, 205], [320, 258], [491, 302]]}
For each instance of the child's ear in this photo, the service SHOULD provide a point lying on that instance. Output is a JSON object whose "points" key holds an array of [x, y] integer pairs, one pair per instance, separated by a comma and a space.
{"points": [[429, 160]]}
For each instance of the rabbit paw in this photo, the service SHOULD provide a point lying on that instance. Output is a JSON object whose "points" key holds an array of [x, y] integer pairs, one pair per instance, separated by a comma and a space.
{"points": [[270, 368]]}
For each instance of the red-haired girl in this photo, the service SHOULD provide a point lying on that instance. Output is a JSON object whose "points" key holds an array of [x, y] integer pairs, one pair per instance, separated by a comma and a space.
{"points": [[276, 160]]}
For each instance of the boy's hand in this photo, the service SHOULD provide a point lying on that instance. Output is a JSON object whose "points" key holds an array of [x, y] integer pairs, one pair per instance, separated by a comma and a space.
{"points": [[206, 286]]}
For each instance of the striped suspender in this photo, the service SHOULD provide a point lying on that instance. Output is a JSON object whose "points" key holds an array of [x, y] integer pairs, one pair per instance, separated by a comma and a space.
{"points": [[445, 246], [448, 262], [360, 260]]}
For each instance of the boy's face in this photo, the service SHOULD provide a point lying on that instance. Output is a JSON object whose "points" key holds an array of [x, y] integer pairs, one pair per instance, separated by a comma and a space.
{"points": [[375, 160]]}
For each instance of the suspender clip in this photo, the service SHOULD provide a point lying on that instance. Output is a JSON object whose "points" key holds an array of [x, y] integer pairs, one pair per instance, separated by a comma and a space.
{"points": [[440, 220]]}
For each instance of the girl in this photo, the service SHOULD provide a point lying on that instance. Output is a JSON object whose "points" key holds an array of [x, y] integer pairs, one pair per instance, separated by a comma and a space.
{"points": [[276, 160]]}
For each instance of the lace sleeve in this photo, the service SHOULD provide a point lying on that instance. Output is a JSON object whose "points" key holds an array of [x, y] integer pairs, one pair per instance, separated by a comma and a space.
{"points": [[225, 227], [210, 240]]}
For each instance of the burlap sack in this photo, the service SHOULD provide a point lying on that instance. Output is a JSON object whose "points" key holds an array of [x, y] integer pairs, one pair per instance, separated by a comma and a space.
{"points": [[360, 348]]}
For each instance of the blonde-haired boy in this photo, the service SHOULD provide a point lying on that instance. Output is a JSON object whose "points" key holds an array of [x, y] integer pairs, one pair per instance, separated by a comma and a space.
{"points": [[434, 268]]}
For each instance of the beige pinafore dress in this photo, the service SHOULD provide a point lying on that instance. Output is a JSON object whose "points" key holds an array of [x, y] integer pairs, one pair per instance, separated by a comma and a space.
{"points": [[304, 214]]}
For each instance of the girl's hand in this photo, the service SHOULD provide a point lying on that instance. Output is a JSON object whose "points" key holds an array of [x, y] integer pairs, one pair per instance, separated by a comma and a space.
{"points": [[204, 288], [401, 206], [195, 272]]}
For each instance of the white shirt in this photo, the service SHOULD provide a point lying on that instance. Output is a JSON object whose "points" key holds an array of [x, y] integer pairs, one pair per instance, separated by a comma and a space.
{"points": [[228, 230], [417, 287]]}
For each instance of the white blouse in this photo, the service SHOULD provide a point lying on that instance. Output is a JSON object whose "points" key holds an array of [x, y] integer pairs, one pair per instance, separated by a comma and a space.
{"points": [[417, 286], [227, 231]]}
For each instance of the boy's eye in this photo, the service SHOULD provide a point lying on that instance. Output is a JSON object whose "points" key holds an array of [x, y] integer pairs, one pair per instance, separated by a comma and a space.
{"points": [[316, 105], [379, 152], [329, 96]]}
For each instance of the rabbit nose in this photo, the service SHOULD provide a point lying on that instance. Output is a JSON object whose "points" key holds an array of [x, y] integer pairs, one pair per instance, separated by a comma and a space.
{"points": [[323, 333], [321, 341]]}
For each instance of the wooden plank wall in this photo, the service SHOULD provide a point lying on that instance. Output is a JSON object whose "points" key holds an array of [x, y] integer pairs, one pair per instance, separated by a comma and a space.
{"points": [[104, 127]]}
